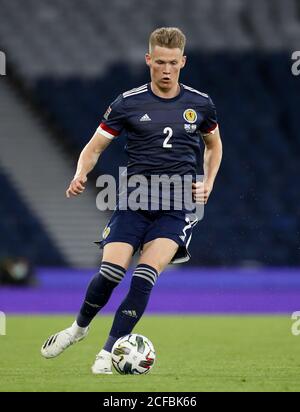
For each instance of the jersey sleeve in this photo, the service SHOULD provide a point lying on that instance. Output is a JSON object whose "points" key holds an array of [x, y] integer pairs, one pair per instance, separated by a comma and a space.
{"points": [[113, 120], [210, 122]]}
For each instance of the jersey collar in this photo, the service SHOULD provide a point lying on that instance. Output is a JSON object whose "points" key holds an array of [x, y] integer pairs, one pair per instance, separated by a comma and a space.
{"points": [[163, 99]]}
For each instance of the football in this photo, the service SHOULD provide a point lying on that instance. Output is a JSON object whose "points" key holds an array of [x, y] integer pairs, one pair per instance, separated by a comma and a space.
{"points": [[133, 355]]}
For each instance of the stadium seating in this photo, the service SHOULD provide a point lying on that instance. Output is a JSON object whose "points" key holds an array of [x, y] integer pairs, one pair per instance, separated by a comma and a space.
{"points": [[21, 233], [65, 38]]}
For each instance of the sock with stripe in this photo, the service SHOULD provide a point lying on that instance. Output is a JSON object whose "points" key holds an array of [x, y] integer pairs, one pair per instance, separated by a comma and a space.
{"points": [[99, 292], [132, 308]]}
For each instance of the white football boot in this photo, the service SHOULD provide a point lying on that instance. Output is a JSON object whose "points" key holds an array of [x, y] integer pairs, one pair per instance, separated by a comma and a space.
{"points": [[103, 363], [60, 341]]}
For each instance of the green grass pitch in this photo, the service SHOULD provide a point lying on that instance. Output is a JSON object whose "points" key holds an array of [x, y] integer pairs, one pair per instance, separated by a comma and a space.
{"points": [[194, 353]]}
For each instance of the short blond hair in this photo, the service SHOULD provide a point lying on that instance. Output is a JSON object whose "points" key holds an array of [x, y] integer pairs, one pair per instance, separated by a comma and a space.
{"points": [[170, 37]]}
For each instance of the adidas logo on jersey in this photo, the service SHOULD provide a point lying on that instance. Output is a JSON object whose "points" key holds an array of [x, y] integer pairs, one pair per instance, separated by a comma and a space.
{"points": [[131, 313], [145, 118]]}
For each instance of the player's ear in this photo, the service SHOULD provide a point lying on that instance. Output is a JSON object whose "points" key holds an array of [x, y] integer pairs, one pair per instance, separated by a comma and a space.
{"points": [[148, 59], [183, 61]]}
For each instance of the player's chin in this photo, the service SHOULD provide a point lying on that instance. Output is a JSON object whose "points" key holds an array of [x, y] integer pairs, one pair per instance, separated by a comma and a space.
{"points": [[166, 83]]}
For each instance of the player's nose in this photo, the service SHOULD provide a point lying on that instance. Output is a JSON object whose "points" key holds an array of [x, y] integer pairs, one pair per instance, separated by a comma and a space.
{"points": [[167, 69]]}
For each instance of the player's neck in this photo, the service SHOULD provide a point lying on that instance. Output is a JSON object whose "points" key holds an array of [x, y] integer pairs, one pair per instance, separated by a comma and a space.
{"points": [[166, 94]]}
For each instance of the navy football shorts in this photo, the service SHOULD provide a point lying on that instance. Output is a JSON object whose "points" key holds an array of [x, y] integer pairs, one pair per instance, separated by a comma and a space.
{"points": [[139, 227]]}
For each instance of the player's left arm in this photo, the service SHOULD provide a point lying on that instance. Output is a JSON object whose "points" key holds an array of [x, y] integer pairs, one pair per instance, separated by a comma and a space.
{"points": [[212, 161]]}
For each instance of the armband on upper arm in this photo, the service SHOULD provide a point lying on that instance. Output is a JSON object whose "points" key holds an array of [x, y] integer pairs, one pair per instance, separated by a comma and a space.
{"points": [[211, 132], [107, 131]]}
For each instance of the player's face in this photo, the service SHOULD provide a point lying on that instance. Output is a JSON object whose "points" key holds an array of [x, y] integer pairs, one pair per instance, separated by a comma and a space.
{"points": [[165, 65]]}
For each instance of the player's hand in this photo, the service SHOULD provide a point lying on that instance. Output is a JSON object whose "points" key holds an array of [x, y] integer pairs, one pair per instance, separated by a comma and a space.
{"points": [[76, 187], [201, 191]]}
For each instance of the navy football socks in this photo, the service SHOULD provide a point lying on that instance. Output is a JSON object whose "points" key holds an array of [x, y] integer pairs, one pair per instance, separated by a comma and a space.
{"points": [[99, 291], [134, 305]]}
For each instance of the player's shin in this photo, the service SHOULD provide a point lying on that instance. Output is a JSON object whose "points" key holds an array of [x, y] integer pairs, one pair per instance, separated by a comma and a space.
{"points": [[99, 292], [134, 305]]}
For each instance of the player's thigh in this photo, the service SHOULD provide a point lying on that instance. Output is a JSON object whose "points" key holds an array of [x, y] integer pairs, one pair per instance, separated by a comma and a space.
{"points": [[119, 253], [158, 253]]}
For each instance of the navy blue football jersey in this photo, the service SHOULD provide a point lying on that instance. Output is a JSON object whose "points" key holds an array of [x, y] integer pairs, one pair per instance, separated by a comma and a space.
{"points": [[162, 134]]}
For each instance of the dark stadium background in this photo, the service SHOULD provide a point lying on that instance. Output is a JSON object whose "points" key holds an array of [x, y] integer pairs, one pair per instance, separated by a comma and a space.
{"points": [[66, 61]]}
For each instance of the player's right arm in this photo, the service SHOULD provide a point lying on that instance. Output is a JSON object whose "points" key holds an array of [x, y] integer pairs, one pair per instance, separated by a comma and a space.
{"points": [[110, 127], [86, 162]]}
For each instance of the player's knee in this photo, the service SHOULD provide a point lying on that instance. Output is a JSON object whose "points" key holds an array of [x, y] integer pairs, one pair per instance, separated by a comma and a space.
{"points": [[158, 253], [118, 253]]}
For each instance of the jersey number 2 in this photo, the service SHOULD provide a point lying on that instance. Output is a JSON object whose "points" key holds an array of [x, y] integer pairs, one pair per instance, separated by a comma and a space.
{"points": [[169, 132]]}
